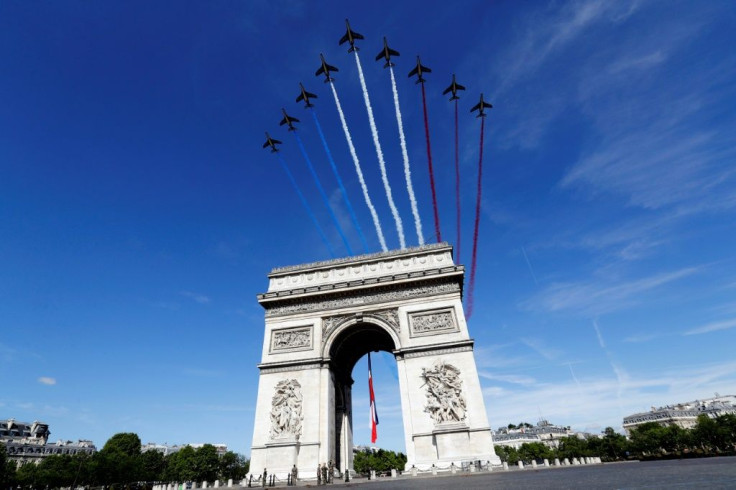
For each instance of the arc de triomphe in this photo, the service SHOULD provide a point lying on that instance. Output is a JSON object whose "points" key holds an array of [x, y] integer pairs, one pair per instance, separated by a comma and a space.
{"points": [[322, 317]]}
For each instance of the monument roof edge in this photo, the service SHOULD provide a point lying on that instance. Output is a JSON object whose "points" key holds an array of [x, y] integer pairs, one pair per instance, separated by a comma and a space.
{"points": [[290, 269]]}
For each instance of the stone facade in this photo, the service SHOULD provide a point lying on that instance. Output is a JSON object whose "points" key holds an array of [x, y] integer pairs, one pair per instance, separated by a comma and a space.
{"points": [[321, 318]]}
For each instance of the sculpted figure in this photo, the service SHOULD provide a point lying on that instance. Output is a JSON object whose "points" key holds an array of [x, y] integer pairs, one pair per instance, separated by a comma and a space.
{"points": [[445, 400], [286, 409]]}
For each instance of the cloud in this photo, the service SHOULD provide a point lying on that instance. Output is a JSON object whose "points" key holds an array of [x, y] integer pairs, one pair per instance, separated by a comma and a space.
{"points": [[604, 401], [593, 298], [199, 298], [541, 348], [518, 379], [44, 380], [712, 327]]}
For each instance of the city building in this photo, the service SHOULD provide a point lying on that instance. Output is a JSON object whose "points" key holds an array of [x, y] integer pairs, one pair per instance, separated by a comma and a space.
{"points": [[28, 442], [165, 449], [684, 415], [544, 432]]}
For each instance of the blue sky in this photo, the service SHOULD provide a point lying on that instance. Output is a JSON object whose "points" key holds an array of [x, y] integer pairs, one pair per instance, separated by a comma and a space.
{"points": [[139, 215]]}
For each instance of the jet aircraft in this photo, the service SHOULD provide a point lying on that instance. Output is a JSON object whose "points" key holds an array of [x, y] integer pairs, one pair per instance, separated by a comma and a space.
{"points": [[480, 106], [271, 142], [387, 53], [288, 120], [350, 36], [419, 70], [326, 69], [305, 96], [454, 87]]}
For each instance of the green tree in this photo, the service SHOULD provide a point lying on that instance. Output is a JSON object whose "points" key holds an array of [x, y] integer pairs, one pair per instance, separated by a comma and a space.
{"points": [[119, 461], [534, 451], [7, 469], [507, 454], [152, 466], [573, 447], [233, 466], [613, 446]]}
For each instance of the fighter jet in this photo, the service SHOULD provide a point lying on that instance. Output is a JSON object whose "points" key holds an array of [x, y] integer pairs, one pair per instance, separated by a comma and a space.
{"points": [[271, 142], [350, 37], [386, 53], [454, 87], [288, 120], [418, 70], [480, 106], [305, 96], [326, 69]]}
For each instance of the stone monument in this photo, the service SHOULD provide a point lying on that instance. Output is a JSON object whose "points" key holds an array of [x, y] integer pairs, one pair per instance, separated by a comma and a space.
{"points": [[322, 317]]}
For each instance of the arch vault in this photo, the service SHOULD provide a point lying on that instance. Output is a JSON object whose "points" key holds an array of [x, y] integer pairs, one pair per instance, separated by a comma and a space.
{"points": [[321, 318]]}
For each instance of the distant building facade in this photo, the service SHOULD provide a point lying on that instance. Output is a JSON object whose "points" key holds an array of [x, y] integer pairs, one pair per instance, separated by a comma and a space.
{"points": [[28, 442], [684, 415], [165, 449], [544, 432]]}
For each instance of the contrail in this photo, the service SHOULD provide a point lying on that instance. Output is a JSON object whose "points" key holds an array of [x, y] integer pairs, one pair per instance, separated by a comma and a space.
{"points": [[405, 155], [339, 181], [438, 233], [379, 153], [530, 266], [473, 266], [306, 205], [368, 202], [322, 192], [457, 183]]}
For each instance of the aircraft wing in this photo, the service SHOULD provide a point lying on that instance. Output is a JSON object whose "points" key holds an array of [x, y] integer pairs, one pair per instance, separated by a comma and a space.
{"points": [[345, 38], [300, 97], [459, 87], [331, 68], [425, 69], [380, 55], [414, 71], [320, 71], [475, 107], [266, 143], [393, 52], [448, 89], [283, 121]]}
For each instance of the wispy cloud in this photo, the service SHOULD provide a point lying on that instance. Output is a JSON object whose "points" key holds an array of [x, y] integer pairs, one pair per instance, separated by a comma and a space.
{"points": [[712, 327], [199, 298], [44, 380], [541, 347], [597, 297]]}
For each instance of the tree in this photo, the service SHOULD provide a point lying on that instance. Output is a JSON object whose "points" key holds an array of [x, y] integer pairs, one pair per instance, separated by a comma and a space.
{"points": [[7, 469], [233, 466], [572, 447], [152, 466], [126, 443], [119, 461], [508, 454], [534, 451]]}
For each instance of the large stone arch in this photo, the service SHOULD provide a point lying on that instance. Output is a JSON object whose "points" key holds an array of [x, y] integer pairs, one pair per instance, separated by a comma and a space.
{"points": [[321, 318]]}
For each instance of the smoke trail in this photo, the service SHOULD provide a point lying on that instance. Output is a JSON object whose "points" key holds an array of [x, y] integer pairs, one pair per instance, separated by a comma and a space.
{"points": [[339, 181], [379, 153], [405, 155], [457, 185], [306, 205], [363, 185], [438, 233], [471, 285], [322, 192]]}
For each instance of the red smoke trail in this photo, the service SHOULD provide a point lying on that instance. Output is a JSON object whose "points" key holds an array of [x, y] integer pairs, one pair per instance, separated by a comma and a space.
{"points": [[457, 185], [431, 171], [471, 285]]}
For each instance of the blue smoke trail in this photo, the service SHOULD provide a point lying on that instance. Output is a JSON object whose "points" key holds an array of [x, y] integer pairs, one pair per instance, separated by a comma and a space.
{"points": [[306, 205], [322, 192], [339, 181]]}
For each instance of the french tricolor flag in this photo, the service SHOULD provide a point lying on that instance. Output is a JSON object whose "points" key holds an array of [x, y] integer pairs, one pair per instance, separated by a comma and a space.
{"points": [[374, 413]]}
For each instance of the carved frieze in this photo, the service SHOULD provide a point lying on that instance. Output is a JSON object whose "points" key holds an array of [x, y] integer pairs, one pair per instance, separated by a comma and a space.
{"points": [[361, 298], [286, 410], [432, 322], [388, 316], [444, 392], [291, 339]]}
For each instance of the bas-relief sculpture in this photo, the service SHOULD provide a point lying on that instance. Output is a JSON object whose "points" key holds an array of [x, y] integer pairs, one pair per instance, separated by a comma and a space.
{"points": [[445, 400], [286, 410], [428, 323], [292, 339]]}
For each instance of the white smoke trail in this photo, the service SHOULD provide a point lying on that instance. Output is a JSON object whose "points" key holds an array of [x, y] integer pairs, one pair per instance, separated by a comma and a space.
{"points": [[379, 153], [405, 154], [363, 185]]}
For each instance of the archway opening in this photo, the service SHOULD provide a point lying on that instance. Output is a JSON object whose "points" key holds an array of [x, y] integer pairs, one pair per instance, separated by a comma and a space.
{"points": [[348, 353]]}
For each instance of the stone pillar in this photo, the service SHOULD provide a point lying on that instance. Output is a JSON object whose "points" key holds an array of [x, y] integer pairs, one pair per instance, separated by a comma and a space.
{"points": [[575, 462], [557, 461], [434, 470], [393, 472], [413, 471], [204, 484], [490, 466], [217, 483], [472, 466], [566, 462], [534, 463], [453, 468], [505, 466], [230, 483], [546, 462], [521, 465], [373, 474]]}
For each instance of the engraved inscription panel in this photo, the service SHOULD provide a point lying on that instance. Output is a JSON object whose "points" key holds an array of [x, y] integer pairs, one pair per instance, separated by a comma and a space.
{"points": [[432, 322], [291, 339]]}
